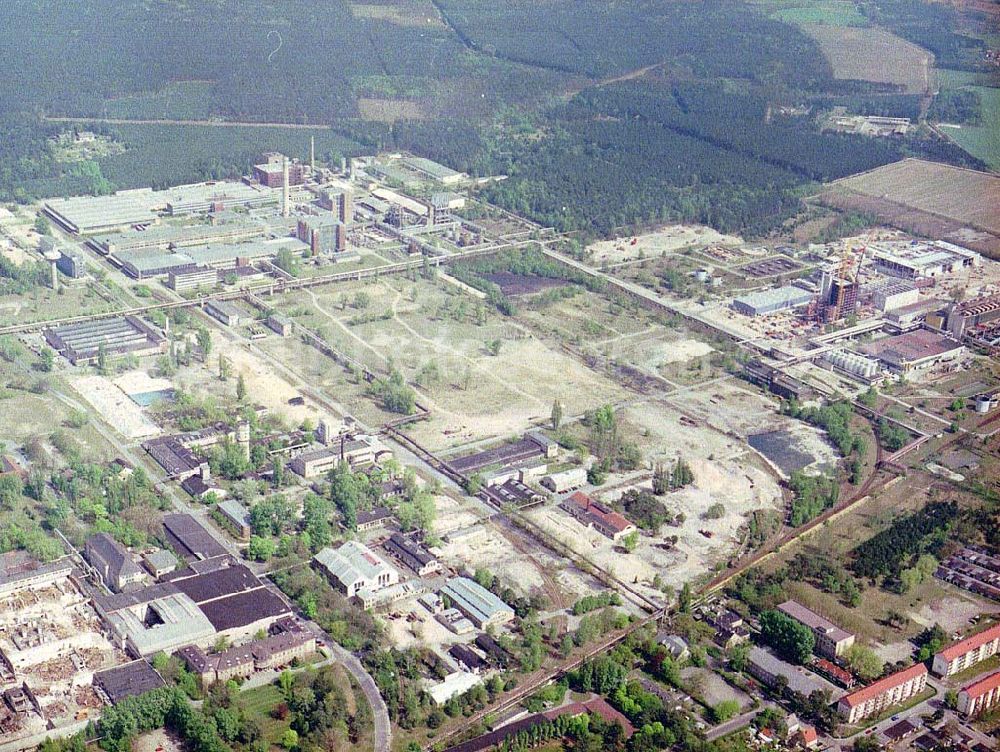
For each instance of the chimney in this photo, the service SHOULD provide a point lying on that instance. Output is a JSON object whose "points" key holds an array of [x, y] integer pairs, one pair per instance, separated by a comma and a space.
{"points": [[285, 211], [312, 153]]}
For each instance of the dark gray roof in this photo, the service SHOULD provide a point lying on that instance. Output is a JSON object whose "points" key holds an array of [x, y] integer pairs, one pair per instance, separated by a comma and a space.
{"points": [[190, 538], [110, 557], [128, 680]]}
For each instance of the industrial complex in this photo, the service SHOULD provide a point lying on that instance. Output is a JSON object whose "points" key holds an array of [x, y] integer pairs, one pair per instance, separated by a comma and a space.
{"points": [[356, 418]]}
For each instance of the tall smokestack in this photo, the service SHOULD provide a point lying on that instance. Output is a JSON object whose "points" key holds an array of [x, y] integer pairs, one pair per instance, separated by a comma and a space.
{"points": [[312, 153], [285, 210]]}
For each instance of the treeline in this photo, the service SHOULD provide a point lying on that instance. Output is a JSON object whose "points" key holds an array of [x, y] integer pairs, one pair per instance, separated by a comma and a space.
{"points": [[164, 707], [737, 121], [647, 174], [957, 106], [885, 554], [884, 105], [834, 419], [934, 26], [28, 166], [593, 602], [812, 494], [594, 38]]}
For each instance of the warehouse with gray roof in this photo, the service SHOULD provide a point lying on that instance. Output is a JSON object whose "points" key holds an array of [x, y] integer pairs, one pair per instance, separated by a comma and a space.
{"points": [[772, 301], [117, 335], [480, 605]]}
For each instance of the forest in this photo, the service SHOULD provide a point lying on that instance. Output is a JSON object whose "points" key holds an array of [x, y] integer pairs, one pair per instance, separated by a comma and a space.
{"points": [[526, 90]]}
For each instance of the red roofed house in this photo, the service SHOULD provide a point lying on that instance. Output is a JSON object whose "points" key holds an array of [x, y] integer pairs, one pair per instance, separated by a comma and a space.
{"points": [[594, 514], [967, 652], [596, 705], [884, 693], [806, 737], [980, 696]]}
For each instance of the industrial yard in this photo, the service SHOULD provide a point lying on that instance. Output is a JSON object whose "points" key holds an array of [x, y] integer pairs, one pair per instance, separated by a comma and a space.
{"points": [[372, 415]]}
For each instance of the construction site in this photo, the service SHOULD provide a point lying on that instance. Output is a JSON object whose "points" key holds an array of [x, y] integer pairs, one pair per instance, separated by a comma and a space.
{"points": [[52, 642]]}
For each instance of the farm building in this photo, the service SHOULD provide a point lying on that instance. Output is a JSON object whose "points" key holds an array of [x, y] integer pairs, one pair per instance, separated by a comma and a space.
{"points": [[591, 513], [566, 480]]}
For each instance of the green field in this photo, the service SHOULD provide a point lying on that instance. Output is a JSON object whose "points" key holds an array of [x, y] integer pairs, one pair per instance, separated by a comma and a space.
{"points": [[833, 12], [258, 703], [982, 141]]}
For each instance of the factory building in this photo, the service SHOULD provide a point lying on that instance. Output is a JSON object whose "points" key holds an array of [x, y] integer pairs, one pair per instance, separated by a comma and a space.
{"points": [[113, 563], [412, 554], [118, 335], [170, 237], [478, 604], [192, 606], [280, 324], [84, 215], [191, 277], [885, 693], [916, 259], [236, 517], [144, 264], [189, 538], [356, 571], [71, 263], [224, 312], [358, 452], [831, 641], [323, 234], [20, 571], [772, 301], [851, 363], [241, 662], [87, 215], [892, 295], [157, 618], [214, 197], [129, 680], [565, 480], [593, 514], [433, 170], [964, 318], [914, 350], [270, 172]]}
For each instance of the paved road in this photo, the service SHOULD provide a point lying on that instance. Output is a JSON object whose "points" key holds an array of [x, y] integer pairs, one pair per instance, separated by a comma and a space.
{"points": [[733, 724]]}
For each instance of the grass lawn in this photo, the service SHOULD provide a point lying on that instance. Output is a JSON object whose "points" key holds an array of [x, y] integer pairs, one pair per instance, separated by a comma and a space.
{"points": [[982, 141], [258, 703], [833, 12], [990, 664]]}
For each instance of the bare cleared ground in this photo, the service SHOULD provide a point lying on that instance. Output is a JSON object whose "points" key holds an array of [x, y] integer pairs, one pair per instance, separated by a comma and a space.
{"points": [[433, 337], [115, 407], [955, 193], [389, 110], [413, 13], [869, 54], [725, 473], [666, 240]]}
